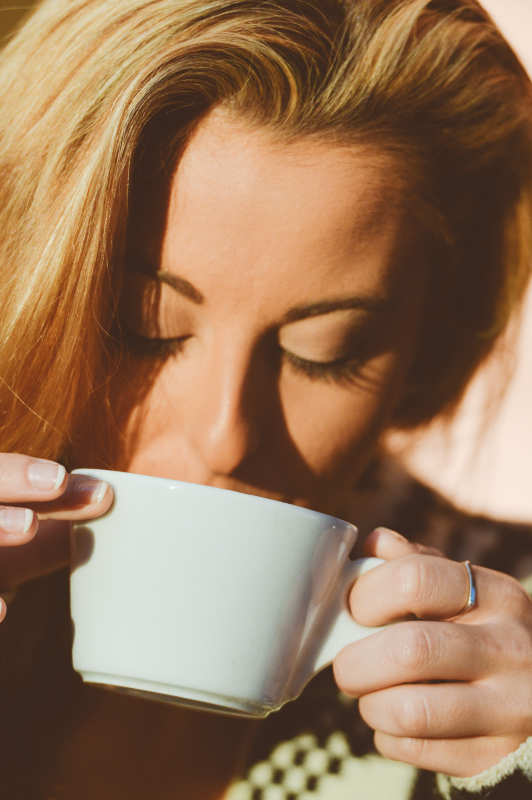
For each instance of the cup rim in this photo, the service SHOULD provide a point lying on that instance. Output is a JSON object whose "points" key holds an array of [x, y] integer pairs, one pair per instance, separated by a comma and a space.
{"points": [[202, 488]]}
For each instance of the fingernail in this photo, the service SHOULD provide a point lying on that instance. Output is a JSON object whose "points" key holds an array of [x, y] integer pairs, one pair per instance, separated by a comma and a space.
{"points": [[46, 475], [90, 491], [392, 533], [16, 520]]}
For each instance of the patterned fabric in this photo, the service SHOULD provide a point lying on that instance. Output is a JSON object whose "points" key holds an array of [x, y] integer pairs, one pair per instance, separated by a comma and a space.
{"points": [[302, 770], [318, 747]]}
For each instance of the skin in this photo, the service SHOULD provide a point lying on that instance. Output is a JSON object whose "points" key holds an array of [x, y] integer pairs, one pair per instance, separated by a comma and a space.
{"points": [[231, 410], [257, 237], [450, 697]]}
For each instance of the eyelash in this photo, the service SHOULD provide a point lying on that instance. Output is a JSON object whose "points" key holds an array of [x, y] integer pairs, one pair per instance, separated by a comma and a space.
{"points": [[342, 371], [146, 347]]}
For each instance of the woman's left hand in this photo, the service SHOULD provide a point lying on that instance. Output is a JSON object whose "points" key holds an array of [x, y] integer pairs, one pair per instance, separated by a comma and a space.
{"points": [[452, 697]]}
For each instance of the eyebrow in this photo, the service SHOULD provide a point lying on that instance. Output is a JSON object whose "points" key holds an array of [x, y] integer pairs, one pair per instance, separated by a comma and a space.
{"points": [[188, 290], [180, 285], [378, 304], [176, 282]]}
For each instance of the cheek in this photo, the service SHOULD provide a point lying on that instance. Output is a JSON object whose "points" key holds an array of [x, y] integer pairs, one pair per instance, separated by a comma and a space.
{"points": [[336, 427]]}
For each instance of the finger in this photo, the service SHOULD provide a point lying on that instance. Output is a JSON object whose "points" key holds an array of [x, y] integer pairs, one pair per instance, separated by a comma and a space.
{"points": [[48, 551], [24, 479], [17, 526], [83, 498], [429, 587], [414, 651], [388, 544], [3, 609], [461, 758], [432, 588], [438, 711]]}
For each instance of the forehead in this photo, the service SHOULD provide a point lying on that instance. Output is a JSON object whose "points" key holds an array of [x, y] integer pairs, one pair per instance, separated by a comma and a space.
{"points": [[246, 204]]}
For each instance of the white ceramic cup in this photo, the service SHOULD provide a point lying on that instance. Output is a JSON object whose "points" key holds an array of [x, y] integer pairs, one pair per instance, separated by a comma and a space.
{"points": [[207, 597]]}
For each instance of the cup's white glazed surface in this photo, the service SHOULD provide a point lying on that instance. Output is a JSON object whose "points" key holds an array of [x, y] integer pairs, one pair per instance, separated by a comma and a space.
{"points": [[209, 597]]}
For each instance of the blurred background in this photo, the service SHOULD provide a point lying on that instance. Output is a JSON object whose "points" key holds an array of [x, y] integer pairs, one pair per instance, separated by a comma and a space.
{"points": [[483, 461]]}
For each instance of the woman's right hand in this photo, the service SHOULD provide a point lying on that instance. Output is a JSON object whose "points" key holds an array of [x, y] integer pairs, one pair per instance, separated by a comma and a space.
{"points": [[37, 499]]}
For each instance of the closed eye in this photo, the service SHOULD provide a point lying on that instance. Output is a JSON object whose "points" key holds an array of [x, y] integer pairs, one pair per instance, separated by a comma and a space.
{"points": [[151, 348], [341, 371]]}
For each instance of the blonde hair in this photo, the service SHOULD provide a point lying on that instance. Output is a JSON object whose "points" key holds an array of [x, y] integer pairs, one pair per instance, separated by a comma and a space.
{"points": [[85, 86]]}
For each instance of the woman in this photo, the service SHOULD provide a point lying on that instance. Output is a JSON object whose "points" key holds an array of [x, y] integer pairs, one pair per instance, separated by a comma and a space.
{"points": [[239, 242]]}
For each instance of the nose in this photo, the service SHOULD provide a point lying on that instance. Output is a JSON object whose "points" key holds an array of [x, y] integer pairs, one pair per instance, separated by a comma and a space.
{"points": [[224, 428]]}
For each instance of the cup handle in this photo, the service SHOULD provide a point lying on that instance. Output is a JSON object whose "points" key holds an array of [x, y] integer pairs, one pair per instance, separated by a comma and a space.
{"points": [[344, 629]]}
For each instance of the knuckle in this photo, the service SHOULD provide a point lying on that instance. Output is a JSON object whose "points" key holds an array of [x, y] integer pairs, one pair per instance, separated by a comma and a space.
{"points": [[517, 597], [412, 749], [512, 598], [415, 647], [413, 715], [511, 647], [415, 578]]}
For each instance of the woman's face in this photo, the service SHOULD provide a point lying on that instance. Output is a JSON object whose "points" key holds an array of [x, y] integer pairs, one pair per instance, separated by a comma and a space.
{"points": [[288, 297]]}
